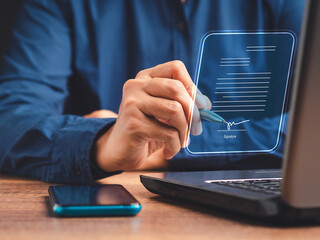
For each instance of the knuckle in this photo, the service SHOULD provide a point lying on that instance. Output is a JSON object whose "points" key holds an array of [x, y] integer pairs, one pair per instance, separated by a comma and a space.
{"points": [[132, 125], [176, 67], [190, 88], [173, 87], [176, 149], [141, 73], [179, 87], [173, 107], [129, 102], [128, 85], [172, 134], [177, 64]]}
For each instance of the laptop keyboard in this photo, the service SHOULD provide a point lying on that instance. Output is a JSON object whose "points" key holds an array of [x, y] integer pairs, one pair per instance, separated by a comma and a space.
{"points": [[270, 186]]}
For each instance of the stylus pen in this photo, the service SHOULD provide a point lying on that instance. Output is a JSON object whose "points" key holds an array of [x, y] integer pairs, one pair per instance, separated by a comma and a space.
{"points": [[211, 116]]}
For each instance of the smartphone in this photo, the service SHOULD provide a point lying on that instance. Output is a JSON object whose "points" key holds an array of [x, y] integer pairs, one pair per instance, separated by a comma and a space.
{"points": [[93, 200]]}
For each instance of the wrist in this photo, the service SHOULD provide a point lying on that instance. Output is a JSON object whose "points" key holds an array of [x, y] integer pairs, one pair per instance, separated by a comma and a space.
{"points": [[103, 157]]}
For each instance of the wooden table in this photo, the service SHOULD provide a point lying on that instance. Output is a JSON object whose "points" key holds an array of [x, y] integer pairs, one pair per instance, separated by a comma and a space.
{"points": [[25, 213]]}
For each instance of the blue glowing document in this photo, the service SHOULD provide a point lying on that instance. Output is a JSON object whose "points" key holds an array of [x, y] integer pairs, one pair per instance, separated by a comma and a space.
{"points": [[246, 76]]}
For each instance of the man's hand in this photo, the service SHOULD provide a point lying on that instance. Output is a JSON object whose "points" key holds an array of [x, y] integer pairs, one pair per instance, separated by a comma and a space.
{"points": [[153, 119], [101, 114]]}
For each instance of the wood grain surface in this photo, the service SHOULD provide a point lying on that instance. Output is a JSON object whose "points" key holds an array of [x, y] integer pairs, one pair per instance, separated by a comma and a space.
{"points": [[25, 213]]}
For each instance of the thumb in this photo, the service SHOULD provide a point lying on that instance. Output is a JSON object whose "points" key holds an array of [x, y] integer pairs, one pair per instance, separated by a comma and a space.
{"points": [[202, 101]]}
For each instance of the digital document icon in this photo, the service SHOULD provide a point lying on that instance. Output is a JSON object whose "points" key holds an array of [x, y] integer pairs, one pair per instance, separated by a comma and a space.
{"points": [[246, 76]]}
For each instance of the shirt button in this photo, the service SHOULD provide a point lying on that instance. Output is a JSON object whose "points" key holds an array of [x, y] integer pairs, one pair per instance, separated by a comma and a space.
{"points": [[181, 25]]}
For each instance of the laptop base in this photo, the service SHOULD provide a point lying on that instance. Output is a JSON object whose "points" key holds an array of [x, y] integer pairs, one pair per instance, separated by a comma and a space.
{"points": [[265, 207]]}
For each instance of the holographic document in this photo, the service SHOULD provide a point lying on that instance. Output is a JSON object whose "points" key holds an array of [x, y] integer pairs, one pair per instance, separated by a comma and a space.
{"points": [[246, 77]]}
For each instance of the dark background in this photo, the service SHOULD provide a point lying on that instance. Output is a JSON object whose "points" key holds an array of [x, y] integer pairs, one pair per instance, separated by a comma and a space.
{"points": [[8, 12]]}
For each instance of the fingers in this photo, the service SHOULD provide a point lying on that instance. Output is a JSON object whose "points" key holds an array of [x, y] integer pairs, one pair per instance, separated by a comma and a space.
{"points": [[177, 70], [168, 110], [160, 85], [173, 70], [152, 129], [170, 89], [155, 161], [202, 101], [196, 125], [153, 118]]}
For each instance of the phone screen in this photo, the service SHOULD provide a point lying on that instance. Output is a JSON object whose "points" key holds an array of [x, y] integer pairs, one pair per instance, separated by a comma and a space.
{"points": [[73, 195]]}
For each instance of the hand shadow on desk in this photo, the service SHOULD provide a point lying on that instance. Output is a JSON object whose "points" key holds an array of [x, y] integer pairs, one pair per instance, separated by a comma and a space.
{"points": [[224, 214]]}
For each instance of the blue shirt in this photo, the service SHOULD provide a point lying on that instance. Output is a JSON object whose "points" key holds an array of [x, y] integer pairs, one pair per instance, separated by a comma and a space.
{"points": [[69, 58]]}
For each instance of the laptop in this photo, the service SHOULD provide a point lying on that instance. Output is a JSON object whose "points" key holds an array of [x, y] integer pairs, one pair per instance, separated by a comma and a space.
{"points": [[290, 195]]}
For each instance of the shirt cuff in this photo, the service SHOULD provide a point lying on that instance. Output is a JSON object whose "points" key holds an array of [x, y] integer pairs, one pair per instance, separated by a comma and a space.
{"points": [[96, 172], [72, 149]]}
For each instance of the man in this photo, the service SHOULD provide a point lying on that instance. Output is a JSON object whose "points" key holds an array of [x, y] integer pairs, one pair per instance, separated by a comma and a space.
{"points": [[70, 58]]}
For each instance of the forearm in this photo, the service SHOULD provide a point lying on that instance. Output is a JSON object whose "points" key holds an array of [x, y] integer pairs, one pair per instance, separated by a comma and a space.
{"points": [[38, 141]]}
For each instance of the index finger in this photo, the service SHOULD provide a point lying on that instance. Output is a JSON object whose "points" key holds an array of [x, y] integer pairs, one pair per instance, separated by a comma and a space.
{"points": [[175, 70]]}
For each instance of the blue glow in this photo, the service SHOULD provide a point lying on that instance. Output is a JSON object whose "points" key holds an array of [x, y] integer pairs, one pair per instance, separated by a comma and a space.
{"points": [[245, 75]]}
